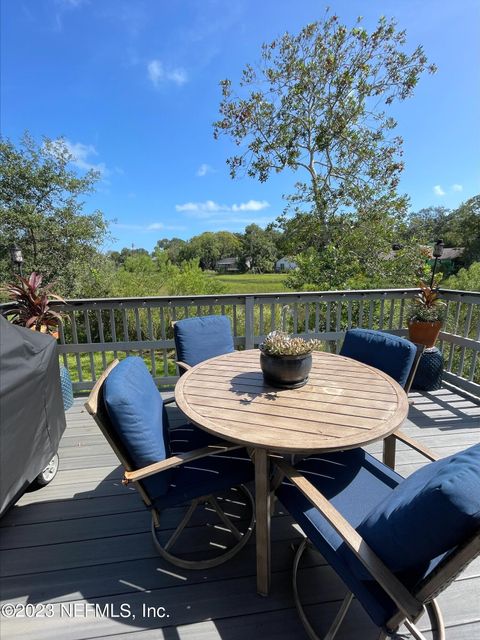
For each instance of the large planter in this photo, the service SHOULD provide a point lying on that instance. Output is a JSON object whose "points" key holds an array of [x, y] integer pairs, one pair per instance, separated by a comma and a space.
{"points": [[424, 332], [286, 372]]}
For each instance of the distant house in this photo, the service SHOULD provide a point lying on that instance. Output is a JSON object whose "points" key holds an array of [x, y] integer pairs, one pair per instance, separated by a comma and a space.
{"points": [[285, 264], [227, 265]]}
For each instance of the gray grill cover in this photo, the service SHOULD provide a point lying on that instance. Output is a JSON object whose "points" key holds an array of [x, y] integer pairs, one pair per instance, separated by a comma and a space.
{"points": [[32, 418]]}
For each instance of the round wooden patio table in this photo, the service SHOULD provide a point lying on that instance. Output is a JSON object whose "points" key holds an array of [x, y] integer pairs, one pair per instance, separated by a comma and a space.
{"points": [[345, 404]]}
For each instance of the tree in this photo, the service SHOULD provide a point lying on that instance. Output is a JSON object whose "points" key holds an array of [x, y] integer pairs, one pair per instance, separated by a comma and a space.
{"points": [[41, 211], [312, 106], [465, 230], [259, 250], [465, 279], [173, 248]]}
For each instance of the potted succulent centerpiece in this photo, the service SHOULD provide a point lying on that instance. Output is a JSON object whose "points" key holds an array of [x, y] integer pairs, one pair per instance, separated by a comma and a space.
{"points": [[427, 312], [286, 360]]}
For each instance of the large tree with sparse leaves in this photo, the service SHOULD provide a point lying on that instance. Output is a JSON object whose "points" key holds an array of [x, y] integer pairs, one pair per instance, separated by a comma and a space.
{"points": [[317, 105]]}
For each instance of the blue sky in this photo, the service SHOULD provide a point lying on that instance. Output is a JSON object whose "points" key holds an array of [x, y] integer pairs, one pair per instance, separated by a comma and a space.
{"points": [[133, 87]]}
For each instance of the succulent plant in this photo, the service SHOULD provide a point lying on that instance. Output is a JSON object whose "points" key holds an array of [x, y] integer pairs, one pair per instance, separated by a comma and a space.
{"points": [[32, 308], [427, 306], [279, 343]]}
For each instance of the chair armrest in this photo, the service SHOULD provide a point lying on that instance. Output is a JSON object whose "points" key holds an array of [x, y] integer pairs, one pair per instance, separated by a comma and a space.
{"points": [[178, 460], [183, 365], [404, 600], [169, 400], [389, 448], [414, 444]]}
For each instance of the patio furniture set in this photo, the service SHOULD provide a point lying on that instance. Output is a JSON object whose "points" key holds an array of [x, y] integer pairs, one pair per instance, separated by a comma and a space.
{"points": [[395, 543]]}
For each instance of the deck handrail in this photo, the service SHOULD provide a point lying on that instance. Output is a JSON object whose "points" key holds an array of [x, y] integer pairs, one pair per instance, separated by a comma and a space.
{"points": [[96, 330]]}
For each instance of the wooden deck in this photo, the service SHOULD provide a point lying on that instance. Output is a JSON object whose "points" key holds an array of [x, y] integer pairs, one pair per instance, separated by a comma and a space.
{"points": [[83, 546]]}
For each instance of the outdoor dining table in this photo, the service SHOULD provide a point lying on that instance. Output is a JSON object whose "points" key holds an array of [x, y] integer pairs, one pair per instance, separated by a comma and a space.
{"points": [[344, 404]]}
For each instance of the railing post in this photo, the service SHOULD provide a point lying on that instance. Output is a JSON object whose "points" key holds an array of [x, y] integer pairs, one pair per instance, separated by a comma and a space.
{"points": [[249, 322]]}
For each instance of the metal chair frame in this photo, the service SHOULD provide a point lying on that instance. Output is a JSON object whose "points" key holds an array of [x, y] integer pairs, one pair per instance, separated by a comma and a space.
{"points": [[95, 408], [411, 605]]}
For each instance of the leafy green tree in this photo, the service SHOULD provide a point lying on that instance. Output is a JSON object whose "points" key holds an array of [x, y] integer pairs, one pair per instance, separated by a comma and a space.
{"points": [[42, 212], [313, 106], [465, 279], [465, 230], [173, 248], [259, 249]]}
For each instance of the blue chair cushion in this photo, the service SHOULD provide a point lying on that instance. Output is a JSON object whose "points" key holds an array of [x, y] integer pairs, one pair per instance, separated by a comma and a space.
{"points": [[137, 415], [392, 354], [354, 482], [203, 337], [429, 513]]}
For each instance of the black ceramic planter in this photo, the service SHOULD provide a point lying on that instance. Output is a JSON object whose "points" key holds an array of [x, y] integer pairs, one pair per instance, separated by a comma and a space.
{"points": [[286, 372]]}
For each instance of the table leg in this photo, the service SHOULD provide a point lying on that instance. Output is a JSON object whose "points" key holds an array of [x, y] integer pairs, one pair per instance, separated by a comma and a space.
{"points": [[262, 507]]}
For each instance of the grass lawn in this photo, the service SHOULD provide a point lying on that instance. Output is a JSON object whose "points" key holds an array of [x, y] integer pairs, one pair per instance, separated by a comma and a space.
{"points": [[252, 282]]}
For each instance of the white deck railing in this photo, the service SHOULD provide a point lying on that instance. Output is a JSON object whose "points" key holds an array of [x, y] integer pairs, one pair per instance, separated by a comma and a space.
{"points": [[95, 331]]}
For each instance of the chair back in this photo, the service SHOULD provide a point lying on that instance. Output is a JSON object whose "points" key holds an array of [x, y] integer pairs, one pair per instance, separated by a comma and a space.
{"points": [[202, 337], [129, 410], [392, 354]]}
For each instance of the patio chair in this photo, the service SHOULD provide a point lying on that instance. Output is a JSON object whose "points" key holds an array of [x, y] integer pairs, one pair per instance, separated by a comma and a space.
{"points": [[395, 543], [392, 354], [200, 338], [395, 356], [184, 467]]}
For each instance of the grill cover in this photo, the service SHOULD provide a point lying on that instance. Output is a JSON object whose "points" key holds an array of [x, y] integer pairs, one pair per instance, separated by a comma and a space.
{"points": [[32, 418]]}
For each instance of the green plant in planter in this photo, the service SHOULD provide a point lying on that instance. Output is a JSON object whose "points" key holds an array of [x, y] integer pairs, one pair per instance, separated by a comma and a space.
{"points": [[32, 308], [426, 314], [280, 343], [427, 306]]}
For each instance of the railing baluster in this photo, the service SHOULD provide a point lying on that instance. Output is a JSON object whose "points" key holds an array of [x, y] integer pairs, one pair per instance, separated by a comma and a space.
{"points": [[307, 316], [349, 314], [327, 317], [113, 331], [150, 336], [402, 311], [272, 317], [317, 317], [125, 329], [163, 333], [261, 330], [73, 321], [89, 340], [391, 314], [466, 332], [454, 331], [475, 353], [101, 335], [382, 310]]}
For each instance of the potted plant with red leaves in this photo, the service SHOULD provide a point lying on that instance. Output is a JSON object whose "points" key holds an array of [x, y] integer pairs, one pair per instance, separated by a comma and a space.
{"points": [[427, 313], [32, 309]]}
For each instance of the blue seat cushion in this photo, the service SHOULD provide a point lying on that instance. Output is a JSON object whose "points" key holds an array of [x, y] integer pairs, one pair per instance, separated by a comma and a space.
{"points": [[198, 339], [136, 413], [392, 354], [432, 511], [354, 482], [201, 477]]}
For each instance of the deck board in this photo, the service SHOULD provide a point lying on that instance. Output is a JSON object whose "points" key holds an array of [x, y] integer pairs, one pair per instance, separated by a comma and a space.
{"points": [[84, 540]]}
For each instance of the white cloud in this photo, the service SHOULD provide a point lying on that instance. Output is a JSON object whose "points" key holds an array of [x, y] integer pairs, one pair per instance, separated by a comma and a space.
{"points": [[210, 208], [457, 187], [158, 74], [438, 191], [203, 169], [83, 155], [145, 228]]}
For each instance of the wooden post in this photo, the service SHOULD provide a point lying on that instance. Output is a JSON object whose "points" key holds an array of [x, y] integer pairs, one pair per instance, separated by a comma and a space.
{"points": [[249, 322]]}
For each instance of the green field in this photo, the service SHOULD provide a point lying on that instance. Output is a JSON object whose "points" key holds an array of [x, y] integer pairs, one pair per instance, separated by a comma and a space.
{"points": [[252, 282]]}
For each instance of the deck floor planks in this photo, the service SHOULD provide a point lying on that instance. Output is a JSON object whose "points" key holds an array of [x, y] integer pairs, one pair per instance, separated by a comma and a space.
{"points": [[84, 539]]}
